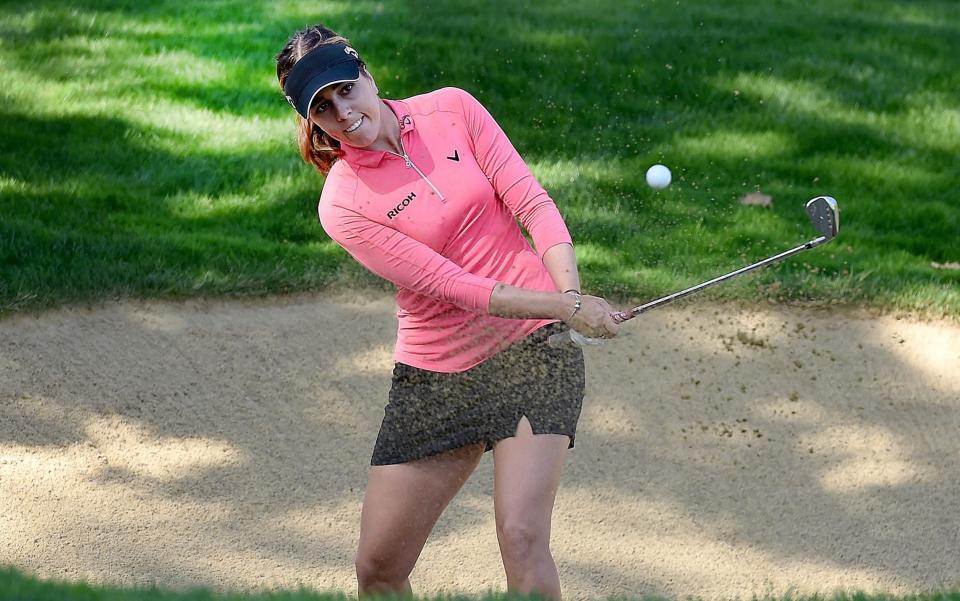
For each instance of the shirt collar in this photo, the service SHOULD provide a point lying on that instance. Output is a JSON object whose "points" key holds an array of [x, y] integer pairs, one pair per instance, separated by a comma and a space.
{"points": [[372, 158]]}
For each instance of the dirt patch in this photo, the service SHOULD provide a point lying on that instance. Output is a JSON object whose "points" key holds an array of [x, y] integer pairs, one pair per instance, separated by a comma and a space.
{"points": [[722, 452]]}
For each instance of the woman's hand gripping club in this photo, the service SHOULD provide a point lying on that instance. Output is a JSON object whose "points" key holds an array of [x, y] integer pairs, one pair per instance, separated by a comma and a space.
{"points": [[592, 320]]}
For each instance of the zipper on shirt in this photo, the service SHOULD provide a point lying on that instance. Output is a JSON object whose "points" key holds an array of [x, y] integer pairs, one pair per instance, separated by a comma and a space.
{"points": [[410, 164]]}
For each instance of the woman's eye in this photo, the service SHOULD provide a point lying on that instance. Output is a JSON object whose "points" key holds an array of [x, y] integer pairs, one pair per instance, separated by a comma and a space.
{"points": [[321, 107], [346, 89]]}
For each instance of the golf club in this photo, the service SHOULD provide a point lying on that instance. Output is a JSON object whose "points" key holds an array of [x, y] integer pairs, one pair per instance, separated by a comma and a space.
{"points": [[824, 215]]}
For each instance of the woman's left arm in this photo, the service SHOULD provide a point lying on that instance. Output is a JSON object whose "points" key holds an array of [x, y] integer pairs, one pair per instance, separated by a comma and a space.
{"points": [[516, 186], [561, 264]]}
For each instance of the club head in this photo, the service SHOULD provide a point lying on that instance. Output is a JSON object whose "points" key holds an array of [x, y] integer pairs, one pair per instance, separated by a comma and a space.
{"points": [[825, 216]]}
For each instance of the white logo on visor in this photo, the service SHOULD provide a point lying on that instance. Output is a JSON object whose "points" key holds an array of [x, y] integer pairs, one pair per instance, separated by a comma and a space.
{"points": [[351, 52], [292, 103]]}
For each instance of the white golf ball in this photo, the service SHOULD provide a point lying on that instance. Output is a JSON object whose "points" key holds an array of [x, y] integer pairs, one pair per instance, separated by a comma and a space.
{"points": [[658, 177]]}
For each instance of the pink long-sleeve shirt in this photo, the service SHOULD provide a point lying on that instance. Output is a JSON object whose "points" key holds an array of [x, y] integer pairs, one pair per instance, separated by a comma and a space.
{"points": [[442, 227]]}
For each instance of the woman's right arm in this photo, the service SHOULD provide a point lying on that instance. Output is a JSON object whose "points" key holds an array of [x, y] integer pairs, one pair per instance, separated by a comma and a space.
{"points": [[410, 264], [404, 261]]}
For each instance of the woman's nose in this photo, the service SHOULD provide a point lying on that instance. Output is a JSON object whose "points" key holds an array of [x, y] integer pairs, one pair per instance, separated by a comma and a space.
{"points": [[343, 111]]}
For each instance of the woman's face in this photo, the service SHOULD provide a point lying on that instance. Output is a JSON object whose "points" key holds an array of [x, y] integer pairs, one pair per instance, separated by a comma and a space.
{"points": [[349, 112]]}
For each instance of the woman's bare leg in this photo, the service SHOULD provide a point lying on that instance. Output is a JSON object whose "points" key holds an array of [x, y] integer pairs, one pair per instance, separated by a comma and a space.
{"points": [[527, 471], [400, 507]]}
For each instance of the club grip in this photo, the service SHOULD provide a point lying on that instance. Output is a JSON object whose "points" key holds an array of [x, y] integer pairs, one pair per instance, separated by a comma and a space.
{"points": [[573, 337], [560, 339]]}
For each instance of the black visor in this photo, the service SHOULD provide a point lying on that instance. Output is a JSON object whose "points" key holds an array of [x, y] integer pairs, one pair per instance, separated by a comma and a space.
{"points": [[317, 69]]}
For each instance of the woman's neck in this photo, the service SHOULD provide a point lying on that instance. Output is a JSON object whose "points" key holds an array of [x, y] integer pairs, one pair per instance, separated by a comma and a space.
{"points": [[389, 138]]}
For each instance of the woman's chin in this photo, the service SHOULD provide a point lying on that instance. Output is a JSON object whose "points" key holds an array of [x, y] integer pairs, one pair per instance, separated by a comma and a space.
{"points": [[360, 142]]}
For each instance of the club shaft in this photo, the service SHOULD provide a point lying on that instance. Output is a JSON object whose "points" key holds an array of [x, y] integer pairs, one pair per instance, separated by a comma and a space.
{"points": [[625, 315]]}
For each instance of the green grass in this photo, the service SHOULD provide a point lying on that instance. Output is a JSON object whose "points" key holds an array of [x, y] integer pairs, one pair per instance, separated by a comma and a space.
{"points": [[146, 150], [15, 586]]}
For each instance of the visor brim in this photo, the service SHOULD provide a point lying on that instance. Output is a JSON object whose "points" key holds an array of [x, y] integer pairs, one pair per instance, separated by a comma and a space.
{"points": [[344, 72]]}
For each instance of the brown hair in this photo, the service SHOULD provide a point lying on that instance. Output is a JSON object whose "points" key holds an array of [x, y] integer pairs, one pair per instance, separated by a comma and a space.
{"points": [[316, 147]]}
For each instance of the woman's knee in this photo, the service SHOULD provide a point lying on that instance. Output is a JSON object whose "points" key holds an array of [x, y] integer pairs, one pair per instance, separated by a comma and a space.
{"points": [[379, 568], [522, 538]]}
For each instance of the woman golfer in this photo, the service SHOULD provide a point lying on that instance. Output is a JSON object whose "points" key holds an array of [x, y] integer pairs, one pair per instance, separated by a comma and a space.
{"points": [[425, 192]]}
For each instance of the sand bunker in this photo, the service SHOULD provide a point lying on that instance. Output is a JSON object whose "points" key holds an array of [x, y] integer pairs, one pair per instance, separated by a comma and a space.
{"points": [[722, 452]]}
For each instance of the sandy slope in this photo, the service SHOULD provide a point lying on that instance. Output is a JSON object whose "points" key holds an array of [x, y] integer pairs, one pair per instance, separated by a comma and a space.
{"points": [[722, 452]]}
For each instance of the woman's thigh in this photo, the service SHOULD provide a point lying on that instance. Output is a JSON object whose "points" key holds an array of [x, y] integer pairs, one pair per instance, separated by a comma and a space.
{"points": [[527, 470], [403, 502]]}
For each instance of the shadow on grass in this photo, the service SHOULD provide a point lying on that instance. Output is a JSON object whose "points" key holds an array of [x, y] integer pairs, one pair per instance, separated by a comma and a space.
{"points": [[16, 586], [591, 85], [566, 88], [105, 212]]}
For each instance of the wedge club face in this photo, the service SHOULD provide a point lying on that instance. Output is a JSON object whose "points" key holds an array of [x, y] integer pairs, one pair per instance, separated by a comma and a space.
{"points": [[825, 216]]}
